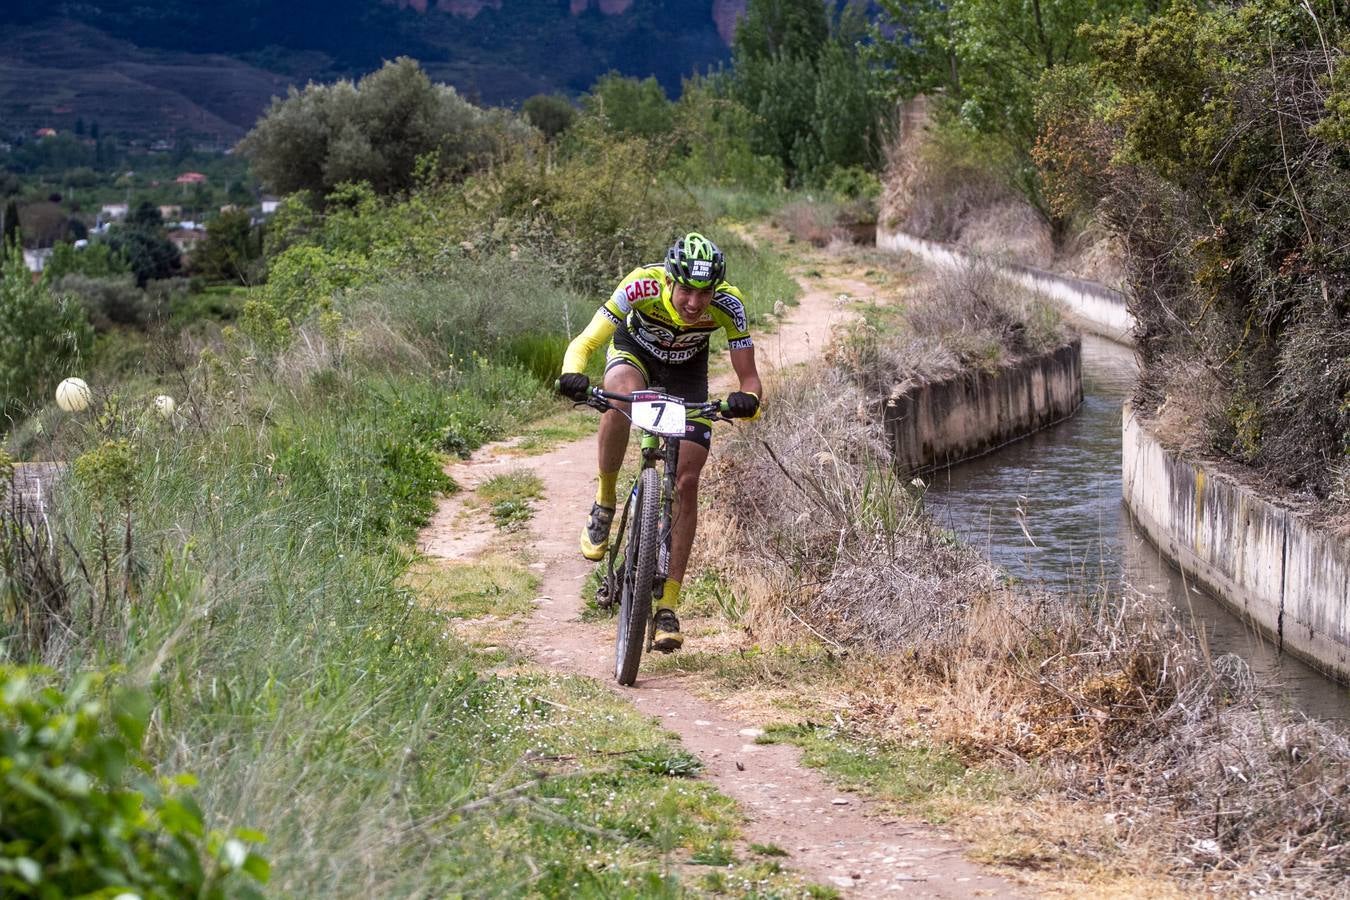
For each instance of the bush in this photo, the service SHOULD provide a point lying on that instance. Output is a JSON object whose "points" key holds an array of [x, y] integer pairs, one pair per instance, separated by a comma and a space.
{"points": [[80, 812], [42, 337], [110, 300], [375, 131], [95, 260], [550, 113], [1210, 139]]}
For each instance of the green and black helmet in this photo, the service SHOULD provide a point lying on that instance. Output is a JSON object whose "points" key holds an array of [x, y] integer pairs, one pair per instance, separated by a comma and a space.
{"points": [[695, 261]]}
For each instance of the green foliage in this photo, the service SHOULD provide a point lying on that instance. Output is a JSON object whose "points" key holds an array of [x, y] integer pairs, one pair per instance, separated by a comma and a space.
{"points": [[81, 814], [96, 260], [9, 227], [552, 114], [672, 762], [42, 337], [715, 134], [375, 131], [983, 61], [230, 250], [145, 215], [781, 28], [810, 90], [148, 253], [109, 301], [300, 280], [628, 106], [1203, 135]]}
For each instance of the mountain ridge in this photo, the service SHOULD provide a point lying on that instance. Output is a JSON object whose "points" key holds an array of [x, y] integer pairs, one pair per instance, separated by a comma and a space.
{"points": [[184, 70]]}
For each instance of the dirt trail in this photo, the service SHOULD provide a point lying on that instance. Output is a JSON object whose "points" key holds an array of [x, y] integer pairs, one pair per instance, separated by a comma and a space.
{"points": [[832, 836]]}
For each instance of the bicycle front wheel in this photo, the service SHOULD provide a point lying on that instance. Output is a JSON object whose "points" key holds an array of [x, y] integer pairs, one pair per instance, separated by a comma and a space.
{"points": [[639, 577]]}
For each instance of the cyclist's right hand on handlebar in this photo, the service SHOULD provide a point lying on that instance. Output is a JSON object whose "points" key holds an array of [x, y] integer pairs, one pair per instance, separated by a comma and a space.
{"points": [[574, 385], [741, 405]]}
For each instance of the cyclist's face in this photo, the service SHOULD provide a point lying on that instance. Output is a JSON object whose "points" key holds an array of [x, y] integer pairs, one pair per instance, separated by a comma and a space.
{"points": [[691, 302]]}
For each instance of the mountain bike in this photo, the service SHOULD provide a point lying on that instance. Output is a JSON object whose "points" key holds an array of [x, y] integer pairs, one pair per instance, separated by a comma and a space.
{"points": [[644, 529]]}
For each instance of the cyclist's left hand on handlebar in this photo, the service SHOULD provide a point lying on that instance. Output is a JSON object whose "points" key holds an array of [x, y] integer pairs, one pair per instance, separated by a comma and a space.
{"points": [[574, 386], [741, 405]]}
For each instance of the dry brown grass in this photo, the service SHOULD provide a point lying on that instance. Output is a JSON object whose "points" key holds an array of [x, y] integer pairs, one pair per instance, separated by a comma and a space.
{"points": [[1110, 700], [815, 222], [944, 185]]}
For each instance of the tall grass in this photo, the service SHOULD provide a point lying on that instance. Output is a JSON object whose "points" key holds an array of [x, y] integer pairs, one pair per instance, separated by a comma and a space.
{"points": [[254, 582]]}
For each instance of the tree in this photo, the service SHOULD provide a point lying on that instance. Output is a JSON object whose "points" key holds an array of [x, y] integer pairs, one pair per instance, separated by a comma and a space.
{"points": [[144, 215], [809, 87], [231, 245], [550, 113], [983, 61], [781, 28], [9, 227], [41, 336], [238, 193], [629, 106], [375, 131], [1213, 141], [97, 260], [148, 253]]}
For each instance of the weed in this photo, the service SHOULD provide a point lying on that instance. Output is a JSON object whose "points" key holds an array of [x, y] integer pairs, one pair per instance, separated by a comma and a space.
{"points": [[768, 850], [509, 496], [715, 855], [669, 761], [495, 585]]}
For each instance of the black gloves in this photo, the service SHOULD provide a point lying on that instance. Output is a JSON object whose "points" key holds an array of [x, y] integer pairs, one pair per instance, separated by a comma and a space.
{"points": [[574, 386], [742, 405]]}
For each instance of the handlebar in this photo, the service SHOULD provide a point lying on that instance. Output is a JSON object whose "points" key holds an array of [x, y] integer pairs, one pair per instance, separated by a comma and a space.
{"points": [[600, 399]]}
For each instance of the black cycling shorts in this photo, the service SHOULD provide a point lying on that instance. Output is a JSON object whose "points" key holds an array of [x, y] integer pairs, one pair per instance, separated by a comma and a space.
{"points": [[688, 380]]}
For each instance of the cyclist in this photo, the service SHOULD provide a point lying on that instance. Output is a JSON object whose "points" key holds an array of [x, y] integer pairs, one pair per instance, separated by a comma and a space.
{"points": [[658, 322]]}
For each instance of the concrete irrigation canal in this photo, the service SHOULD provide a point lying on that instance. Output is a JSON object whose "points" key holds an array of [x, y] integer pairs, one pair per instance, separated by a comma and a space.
{"points": [[1048, 508]]}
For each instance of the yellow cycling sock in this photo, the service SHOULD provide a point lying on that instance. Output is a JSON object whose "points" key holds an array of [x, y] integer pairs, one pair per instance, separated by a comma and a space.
{"points": [[604, 494], [670, 595]]}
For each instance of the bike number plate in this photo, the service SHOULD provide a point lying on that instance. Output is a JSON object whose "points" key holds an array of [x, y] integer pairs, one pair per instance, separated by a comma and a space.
{"points": [[658, 413]]}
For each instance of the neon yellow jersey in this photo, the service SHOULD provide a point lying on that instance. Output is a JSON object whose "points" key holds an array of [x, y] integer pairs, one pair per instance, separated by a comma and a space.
{"points": [[642, 304]]}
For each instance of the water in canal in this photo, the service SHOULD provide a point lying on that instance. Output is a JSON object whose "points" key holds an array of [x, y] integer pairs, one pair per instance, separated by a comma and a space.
{"points": [[1048, 509]]}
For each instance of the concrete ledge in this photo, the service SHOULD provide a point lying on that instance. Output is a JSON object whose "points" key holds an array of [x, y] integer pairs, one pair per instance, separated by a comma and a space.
{"points": [[937, 424], [1259, 558], [1098, 309]]}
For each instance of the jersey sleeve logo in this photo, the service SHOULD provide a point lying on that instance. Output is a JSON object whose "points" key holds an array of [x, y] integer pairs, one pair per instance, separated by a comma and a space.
{"points": [[641, 289], [734, 309]]}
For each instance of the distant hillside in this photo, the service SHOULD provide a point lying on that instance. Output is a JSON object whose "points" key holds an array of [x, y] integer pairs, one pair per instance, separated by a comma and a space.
{"points": [[208, 70]]}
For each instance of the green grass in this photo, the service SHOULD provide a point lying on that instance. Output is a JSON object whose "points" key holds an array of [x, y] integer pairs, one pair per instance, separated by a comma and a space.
{"points": [[920, 777], [495, 585], [556, 430], [509, 497]]}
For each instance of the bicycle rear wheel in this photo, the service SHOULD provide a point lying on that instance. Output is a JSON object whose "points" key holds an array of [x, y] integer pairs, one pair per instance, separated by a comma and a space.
{"points": [[639, 577]]}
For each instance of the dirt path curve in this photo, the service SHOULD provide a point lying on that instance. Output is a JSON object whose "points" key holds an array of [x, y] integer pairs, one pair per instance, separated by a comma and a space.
{"points": [[832, 836]]}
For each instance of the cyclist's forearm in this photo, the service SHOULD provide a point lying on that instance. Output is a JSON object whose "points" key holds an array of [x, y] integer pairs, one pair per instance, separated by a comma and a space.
{"points": [[583, 345]]}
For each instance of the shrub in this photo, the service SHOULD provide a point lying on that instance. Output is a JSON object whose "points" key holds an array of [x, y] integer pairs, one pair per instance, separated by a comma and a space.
{"points": [[550, 113], [80, 812], [41, 336], [375, 131], [1211, 147], [110, 300]]}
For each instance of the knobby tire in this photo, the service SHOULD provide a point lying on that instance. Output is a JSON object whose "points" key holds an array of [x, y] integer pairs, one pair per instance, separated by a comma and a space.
{"points": [[639, 576]]}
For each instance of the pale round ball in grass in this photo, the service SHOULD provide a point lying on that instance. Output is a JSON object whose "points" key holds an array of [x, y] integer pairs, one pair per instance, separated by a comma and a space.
{"points": [[164, 405], [73, 395]]}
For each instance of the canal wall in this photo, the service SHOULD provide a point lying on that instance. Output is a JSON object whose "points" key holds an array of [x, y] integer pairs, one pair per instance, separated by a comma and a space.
{"points": [[936, 424], [1262, 559], [1096, 308]]}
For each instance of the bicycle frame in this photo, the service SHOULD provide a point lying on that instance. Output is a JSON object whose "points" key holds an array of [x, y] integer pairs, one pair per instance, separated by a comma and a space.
{"points": [[654, 448]]}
